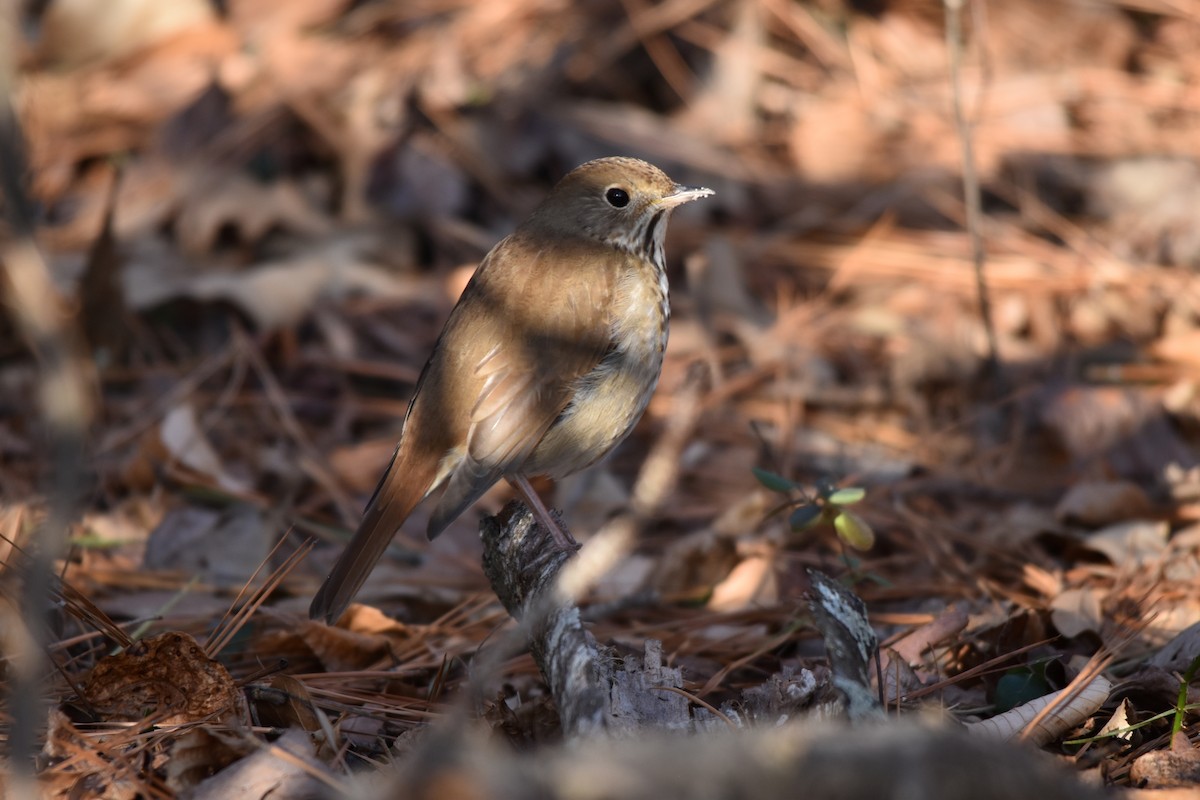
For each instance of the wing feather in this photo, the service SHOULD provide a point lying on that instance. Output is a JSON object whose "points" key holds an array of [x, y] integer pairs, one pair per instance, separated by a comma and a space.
{"points": [[537, 357]]}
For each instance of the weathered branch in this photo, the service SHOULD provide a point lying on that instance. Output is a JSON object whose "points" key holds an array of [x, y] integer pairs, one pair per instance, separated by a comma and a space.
{"points": [[595, 693], [521, 560]]}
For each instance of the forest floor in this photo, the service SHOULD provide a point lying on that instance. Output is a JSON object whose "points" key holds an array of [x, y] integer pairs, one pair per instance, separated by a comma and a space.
{"points": [[259, 218]]}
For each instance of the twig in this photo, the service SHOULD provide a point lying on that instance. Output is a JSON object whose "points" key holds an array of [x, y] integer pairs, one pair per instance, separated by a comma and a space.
{"points": [[658, 47], [311, 461], [237, 616], [971, 193]]}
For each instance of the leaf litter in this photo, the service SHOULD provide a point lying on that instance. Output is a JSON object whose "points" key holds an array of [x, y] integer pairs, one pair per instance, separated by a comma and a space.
{"points": [[297, 191]]}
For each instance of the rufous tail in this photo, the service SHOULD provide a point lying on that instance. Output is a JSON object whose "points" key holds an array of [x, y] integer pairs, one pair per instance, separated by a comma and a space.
{"points": [[398, 494]]}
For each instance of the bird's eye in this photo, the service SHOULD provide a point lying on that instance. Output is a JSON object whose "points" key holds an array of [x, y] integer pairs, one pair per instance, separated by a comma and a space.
{"points": [[617, 197]]}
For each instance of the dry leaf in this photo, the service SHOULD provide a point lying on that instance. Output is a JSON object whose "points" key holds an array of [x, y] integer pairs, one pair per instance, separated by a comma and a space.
{"points": [[197, 754], [752, 582], [187, 443], [285, 768], [211, 203], [1127, 427], [297, 709], [1177, 654], [363, 638], [914, 647], [279, 294], [75, 32], [1078, 611], [1009, 725], [1164, 769], [1098, 503], [223, 548], [1132, 545], [168, 676], [1118, 724]]}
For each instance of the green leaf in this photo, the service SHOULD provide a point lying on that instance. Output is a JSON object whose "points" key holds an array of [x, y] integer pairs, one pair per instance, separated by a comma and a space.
{"points": [[805, 516], [1019, 686], [854, 530], [847, 497], [776, 483]]}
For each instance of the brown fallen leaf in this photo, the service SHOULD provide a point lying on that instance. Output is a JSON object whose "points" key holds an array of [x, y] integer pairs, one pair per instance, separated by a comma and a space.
{"points": [[167, 675], [215, 201], [1133, 545], [1096, 503], [113, 109], [1177, 767], [187, 443], [76, 32], [294, 708], [694, 563], [279, 294], [364, 637], [1078, 611], [198, 753], [752, 582], [1125, 428]]}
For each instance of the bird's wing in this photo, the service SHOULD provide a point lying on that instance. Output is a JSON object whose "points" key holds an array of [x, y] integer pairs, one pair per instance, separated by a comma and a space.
{"points": [[539, 353]]}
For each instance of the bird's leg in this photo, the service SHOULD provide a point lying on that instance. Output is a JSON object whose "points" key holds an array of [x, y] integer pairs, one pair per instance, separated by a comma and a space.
{"points": [[540, 512]]}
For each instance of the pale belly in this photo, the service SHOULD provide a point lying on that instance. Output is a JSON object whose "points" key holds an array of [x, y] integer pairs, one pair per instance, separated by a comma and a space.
{"points": [[611, 399]]}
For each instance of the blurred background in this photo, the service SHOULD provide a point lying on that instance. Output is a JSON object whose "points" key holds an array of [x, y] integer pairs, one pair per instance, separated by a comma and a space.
{"points": [[259, 212]]}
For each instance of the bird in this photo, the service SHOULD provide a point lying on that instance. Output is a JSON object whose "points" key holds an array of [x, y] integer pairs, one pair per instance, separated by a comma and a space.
{"points": [[545, 364]]}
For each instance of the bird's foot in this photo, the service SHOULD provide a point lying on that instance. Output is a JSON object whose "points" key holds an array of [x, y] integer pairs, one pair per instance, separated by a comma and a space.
{"points": [[562, 537]]}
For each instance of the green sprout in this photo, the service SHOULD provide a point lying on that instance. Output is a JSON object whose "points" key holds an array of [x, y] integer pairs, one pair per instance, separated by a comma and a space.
{"points": [[1181, 704], [829, 505]]}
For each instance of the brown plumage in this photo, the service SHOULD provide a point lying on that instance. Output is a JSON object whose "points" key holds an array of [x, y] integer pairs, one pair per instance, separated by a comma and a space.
{"points": [[545, 364]]}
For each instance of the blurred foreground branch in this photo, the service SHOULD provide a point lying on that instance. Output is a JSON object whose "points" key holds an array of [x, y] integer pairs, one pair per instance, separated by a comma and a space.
{"points": [[887, 761], [64, 406]]}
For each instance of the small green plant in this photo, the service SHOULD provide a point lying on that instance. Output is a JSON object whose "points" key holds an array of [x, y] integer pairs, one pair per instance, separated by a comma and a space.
{"points": [[1181, 704], [1020, 685], [829, 505]]}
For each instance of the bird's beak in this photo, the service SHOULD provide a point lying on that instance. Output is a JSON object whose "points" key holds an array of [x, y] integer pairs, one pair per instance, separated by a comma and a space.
{"points": [[684, 194]]}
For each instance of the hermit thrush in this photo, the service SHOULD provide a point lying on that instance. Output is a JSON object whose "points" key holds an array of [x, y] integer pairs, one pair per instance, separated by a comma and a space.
{"points": [[545, 364]]}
